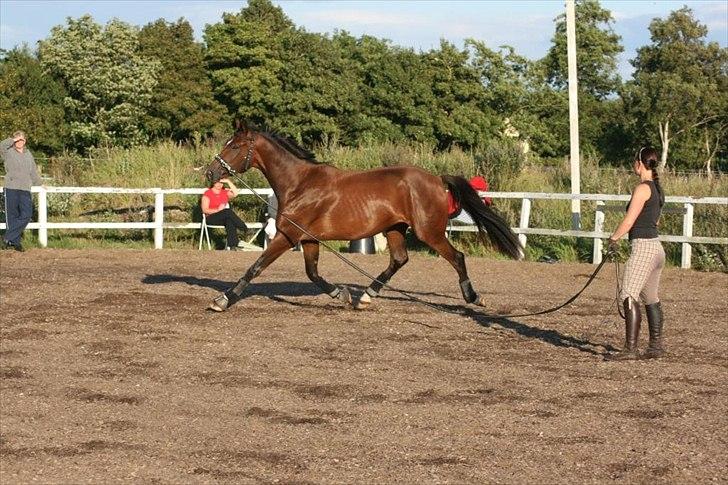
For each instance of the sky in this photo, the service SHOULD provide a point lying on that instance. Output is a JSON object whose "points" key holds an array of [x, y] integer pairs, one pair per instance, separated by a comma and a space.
{"points": [[526, 25]]}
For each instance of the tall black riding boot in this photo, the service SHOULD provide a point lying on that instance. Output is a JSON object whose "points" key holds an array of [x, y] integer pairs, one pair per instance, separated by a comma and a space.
{"points": [[632, 319], [654, 322]]}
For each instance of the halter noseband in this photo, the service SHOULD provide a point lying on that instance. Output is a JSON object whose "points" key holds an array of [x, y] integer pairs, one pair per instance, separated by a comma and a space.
{"points": [[248, 158]]}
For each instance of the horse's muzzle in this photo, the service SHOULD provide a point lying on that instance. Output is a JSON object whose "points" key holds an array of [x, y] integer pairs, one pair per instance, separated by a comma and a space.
{"points": [[211, 176]]}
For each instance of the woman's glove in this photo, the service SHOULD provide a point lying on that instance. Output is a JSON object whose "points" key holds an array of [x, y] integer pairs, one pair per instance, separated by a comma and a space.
{"points": [[270, 228]]}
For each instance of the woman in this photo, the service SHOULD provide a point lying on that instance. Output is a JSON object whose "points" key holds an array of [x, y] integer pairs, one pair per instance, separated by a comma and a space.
{"points": [[642, 273], [215, 206]]}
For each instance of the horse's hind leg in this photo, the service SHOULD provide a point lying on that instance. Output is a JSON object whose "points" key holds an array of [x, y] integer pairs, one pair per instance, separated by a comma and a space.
{"points": [[397, 258], [439, 243], [311, 256], [279, 245]]}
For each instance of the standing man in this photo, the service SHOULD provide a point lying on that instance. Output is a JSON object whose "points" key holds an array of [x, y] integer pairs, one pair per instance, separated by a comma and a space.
{"points": [[20, 174]]}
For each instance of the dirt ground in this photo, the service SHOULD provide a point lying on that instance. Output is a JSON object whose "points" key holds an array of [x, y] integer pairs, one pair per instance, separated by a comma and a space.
{"points": [[112, 371]]}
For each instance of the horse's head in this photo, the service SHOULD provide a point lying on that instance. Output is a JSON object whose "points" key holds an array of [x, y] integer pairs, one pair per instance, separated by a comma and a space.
{"points": [[236, 155]]}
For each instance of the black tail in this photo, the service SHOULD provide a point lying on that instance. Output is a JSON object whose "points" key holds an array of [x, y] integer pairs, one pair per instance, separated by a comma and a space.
{"points": [[485, 218]]}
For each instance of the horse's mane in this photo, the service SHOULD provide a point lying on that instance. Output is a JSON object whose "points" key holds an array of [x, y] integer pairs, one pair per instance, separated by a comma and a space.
{"points": [[289, 145]]}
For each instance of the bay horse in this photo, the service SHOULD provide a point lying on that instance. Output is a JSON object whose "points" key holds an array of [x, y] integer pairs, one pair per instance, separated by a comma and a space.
{"points": [[319, 200]]}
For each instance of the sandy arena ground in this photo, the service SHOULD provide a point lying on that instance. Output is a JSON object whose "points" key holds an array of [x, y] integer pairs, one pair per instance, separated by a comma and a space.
{"points": [[112, 371]]}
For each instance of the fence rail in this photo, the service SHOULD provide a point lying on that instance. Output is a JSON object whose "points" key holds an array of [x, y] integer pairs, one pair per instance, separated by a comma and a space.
{"points": [[523, 230]]}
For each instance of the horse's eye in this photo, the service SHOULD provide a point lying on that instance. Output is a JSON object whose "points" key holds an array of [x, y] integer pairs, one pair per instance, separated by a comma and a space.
{"points": [[235, 146]]}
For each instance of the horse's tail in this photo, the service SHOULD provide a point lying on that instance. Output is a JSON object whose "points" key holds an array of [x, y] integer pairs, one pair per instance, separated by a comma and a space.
{"points": [[485, 218]]}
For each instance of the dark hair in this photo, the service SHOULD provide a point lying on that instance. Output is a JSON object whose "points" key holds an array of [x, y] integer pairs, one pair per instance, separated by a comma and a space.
{"points": [[648, 156]]}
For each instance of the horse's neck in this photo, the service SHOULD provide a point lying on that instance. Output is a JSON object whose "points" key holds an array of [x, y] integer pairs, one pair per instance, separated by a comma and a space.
{"points": [[285, 173]]}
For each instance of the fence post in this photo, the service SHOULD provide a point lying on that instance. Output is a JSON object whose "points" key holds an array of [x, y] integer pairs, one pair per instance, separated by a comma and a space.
{"points": [[158, 218], [43, 217], [598, 227], [525, 217], [687, 250]]}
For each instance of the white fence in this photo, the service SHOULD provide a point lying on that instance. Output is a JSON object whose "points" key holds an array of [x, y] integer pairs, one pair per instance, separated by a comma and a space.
{"points": [[523, 229]]}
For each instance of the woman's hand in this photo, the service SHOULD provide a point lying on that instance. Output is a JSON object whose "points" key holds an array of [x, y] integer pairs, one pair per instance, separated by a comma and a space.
{"points": [[612, 246], [270, 228], [233, 190]]}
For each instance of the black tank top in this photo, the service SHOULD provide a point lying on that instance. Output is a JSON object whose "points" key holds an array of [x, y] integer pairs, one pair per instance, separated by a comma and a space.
{"points": [[645, 227]]}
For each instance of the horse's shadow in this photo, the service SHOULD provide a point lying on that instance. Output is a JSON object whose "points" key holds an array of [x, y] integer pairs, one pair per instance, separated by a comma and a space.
{"points": [[270, 290], [278, 291]]}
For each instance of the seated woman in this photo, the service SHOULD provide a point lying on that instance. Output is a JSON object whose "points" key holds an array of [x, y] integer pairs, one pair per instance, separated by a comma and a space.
{"points": [[215, 206]]}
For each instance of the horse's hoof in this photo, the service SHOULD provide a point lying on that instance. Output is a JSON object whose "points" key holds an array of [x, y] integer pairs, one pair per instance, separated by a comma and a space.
{"points": [[345, 295], [363, 302], [479, 301], [219, 304]]}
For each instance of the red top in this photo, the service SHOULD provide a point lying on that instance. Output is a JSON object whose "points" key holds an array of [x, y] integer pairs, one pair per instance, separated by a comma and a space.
{"points": [[479, 184], [217, 200]]}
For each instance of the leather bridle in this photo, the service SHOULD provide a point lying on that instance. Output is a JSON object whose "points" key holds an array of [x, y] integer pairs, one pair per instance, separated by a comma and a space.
{"points": [[248, 158]]}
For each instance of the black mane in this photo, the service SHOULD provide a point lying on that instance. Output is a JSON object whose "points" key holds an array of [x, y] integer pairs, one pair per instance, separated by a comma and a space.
{"points": [[289, 145]]}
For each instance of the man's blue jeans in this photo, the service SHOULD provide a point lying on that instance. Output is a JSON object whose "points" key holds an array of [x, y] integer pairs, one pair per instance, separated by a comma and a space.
{"points": [[18, 211]]}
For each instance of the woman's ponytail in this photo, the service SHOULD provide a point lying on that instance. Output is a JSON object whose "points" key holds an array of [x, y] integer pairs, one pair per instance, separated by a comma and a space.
{"points": [[656, 179], [648, 157]]}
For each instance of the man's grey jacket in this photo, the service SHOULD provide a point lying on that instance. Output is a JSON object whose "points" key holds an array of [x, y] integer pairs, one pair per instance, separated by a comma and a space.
{"points": [[20, 170]]}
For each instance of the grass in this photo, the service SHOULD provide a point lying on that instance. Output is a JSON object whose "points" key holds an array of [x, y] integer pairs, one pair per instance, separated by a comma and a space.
{"points": [[169, 165]]}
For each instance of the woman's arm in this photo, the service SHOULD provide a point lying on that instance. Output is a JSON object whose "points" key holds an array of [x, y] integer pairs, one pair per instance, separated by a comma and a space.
{"points": [[640, 195], [205, 206], [233, 191]]}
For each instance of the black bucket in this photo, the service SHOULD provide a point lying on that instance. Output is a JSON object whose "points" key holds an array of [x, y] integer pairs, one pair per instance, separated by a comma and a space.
{"points": [[362, 246]]}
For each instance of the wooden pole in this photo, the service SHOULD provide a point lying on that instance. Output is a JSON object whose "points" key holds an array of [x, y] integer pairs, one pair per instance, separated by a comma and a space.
{"points": [[573, 113]]}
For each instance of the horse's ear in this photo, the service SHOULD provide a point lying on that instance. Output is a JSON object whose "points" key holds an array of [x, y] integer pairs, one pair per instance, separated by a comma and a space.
{"points": [[240, 126]]}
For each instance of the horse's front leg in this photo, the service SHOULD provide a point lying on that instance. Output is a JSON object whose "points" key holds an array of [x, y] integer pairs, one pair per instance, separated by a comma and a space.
{"points": [[279, 245], [311, 256]]}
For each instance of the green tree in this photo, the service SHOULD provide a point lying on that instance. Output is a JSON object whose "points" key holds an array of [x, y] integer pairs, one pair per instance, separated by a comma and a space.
{"points": [[244, 60], [182, 104], [680, 91], [320, 89], [109, 84], [460, 113], [31, 101], [396, 94], [517, 93], [269, 72], [597, 49]]}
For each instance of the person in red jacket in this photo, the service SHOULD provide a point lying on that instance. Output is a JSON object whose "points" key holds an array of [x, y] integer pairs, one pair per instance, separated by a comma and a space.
{"points": [[215, 205]]}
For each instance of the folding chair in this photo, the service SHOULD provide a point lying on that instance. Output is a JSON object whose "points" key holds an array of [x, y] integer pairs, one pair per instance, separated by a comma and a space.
{"points": [[243, 245], [205, 233]]}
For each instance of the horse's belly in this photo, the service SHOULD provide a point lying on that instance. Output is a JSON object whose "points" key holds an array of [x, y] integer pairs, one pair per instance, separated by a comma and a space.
{"points": [[348, 225]]}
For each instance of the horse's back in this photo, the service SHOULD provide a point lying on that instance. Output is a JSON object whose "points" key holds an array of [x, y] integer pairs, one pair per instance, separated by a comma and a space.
{"points": [[403, 176]]}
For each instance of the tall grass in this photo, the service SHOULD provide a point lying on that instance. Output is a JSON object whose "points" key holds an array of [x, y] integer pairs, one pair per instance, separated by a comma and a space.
{"points": [[170, 165]]}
